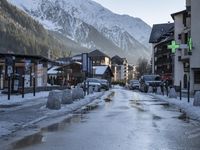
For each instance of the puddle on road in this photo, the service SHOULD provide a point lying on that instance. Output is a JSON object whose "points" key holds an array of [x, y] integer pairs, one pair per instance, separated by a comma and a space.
{"points": [[184, 117], [110, 97], [28, 141], [155, 117], [77, 118], [113, 114], [139, 107], [123, 108], [37, 138]]}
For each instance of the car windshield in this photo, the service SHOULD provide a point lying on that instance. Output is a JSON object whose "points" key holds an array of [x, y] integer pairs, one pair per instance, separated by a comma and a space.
{"points": [[152, 78], [92, 80], [134, 81]]}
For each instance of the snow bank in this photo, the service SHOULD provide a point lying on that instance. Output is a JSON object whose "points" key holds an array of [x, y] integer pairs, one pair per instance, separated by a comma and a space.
{"points": [[192, 111], [18, 98]]}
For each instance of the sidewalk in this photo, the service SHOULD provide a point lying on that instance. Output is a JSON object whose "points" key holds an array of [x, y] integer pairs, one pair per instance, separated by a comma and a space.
{"points": [[192, 111], [17, 99]]}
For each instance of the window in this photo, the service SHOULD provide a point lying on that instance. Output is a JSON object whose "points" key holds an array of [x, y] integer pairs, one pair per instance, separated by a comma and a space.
{"points": [[197, 77]]}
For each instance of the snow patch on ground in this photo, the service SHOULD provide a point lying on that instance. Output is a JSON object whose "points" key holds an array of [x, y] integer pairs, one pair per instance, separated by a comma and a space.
{"points": [[5, 128], [192, 111], [18, 98]]}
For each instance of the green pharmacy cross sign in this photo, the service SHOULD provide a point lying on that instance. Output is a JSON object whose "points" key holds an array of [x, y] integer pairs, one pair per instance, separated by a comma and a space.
{"points": [[173, 46]]}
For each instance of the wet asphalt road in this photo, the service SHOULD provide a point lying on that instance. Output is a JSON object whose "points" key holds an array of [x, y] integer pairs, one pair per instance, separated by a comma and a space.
{"points": [[131, 121]]}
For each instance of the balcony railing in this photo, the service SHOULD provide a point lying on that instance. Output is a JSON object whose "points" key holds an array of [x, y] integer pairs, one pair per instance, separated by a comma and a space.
{"points": [[163, 51], [163, 61]]}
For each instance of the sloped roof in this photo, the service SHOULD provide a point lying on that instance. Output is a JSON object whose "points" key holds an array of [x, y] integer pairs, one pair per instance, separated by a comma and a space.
{"points": [[97, 53], [177, 13], [160, 30], [117, 60], [53, 70], [100, 70]]}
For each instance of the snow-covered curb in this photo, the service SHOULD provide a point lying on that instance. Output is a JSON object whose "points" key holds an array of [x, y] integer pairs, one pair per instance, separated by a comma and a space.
{"points": [[15, 99], [192, 111], [52, 114], [66, 109]]}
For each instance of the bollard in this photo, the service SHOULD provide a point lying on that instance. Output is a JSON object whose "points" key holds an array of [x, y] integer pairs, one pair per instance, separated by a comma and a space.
{"points": [[23, 86], [34, 86], [167, 88], [87, 87], [188, 91], [9, 88], [180, 90]]}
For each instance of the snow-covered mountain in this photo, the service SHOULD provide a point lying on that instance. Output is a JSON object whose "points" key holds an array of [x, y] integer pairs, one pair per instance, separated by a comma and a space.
{"points": [[91, 25]]}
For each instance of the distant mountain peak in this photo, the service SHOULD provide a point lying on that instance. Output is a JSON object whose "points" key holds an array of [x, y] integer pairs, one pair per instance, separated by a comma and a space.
{"points": [[90, 24]]}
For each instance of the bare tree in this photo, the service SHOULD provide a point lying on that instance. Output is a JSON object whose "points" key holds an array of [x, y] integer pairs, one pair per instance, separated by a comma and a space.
{"points": [[142, 66]]}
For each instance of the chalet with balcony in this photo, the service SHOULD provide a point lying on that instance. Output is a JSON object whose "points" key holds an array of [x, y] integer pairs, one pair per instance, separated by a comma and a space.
{"points": [[162, 57], [120, 69], [182, 32], [99, 58]]}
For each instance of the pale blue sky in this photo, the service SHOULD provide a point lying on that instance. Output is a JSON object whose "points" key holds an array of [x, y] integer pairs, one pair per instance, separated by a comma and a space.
{"points": [[151, 11]]}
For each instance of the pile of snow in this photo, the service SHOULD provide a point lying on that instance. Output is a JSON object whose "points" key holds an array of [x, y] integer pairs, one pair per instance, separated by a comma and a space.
{"points": [[91, 90], [150, 89], [172, 93], [54, 100], [159, 92], [197, 99], [192, 111], [67, 97]]}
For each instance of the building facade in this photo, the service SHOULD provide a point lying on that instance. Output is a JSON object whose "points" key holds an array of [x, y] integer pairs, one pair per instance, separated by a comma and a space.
{"points": [[120, 69], [162, 57], [187, 35], [99, 58], [195, 36]]}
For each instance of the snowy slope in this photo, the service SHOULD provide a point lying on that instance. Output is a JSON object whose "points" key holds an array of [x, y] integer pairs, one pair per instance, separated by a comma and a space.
{"points": [[91, 25], [100, 17]]}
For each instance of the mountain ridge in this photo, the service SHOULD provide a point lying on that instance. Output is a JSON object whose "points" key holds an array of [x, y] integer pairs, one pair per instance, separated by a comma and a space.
{"points": [[63, 17]]}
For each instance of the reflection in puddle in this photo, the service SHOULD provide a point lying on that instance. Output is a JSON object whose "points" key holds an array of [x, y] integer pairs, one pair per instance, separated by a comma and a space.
{"points": [[140, 107], [37, 138], [28, 141], [77, 118], [184, 117], [155, 117], [123, 107]]}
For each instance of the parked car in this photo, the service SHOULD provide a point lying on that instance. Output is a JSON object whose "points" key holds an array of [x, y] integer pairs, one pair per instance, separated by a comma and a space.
{"points": [[134, 84], [92, 82], [105, 84], [149, 80]]}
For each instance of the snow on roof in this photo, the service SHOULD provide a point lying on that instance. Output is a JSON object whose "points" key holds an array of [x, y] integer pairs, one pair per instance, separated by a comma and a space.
{"points": [[53, 70], [100, 69]]}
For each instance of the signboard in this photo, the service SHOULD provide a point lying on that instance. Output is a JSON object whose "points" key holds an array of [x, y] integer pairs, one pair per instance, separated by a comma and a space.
{"points": [[27, 80], [89, 65], [84, 62], [39, 74], [9, 70], [173, 47], [27, 75], [16, 85]]}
